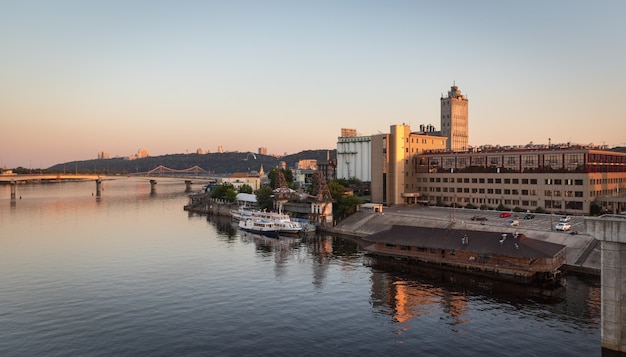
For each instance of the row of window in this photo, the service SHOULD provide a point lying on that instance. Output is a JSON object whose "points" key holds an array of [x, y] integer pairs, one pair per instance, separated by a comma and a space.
{"points": [[498, 191], [506, 181], [489, 201], [605, 181], [556, 204]]}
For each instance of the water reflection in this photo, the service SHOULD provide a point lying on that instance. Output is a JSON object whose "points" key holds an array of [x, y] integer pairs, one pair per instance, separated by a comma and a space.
{"points": [[411, 291]]}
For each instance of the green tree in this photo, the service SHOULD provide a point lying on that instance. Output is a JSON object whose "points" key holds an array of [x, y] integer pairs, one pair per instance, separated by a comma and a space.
{"points": [[336, 189], [264, 198], [595, 209], [346, 206], [220, 191], [230, 195], [245, 188]]}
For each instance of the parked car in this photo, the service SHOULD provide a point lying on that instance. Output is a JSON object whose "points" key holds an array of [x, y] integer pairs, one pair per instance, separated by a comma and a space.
{"points": [[529, 216], [505, 215], [479, 218], [512, 223], [565, 219], [562, 226]]}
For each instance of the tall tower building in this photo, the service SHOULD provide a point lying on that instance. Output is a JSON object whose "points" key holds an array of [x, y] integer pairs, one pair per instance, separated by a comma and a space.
{"points": [[454, 124]]}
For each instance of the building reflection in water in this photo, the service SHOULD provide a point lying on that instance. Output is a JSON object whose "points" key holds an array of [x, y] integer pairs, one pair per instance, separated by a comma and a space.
{"points": [[406, 291]]}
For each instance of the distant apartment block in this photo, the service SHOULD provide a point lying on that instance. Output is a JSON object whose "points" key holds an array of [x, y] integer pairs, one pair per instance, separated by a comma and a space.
{"points": [[262, 151], [102, 155], [220, 149], [141, 153]]}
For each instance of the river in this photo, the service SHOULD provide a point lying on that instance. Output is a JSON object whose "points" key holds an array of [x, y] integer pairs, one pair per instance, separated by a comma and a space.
{"points": [[133, 274]]}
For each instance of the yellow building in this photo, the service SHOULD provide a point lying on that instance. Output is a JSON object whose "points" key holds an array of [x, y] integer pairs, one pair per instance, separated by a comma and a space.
{"points": [[391, 162]]}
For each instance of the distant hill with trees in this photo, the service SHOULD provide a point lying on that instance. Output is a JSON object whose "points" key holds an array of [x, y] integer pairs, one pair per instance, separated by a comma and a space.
{"points": [[215, 163]]}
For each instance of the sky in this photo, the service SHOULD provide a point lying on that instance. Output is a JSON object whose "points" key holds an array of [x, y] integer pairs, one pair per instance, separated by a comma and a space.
{"points": [[80, 77]]}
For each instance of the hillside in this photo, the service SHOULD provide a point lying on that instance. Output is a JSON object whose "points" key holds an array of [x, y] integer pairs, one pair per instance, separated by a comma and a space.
{"points": [[216, 163]]}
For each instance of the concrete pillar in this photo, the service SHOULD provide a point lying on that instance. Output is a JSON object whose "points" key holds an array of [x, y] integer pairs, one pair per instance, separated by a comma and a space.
{"points": [[13, 190], [612, 235], [98, 188], [153, 187], [188, 185]]}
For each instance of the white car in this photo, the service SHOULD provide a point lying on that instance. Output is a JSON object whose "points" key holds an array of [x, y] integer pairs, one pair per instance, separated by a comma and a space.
{"points": [[563, 226], [512, 223], [565, 219]]}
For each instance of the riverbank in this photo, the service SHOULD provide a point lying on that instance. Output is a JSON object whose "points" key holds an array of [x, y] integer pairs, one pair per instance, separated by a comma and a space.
{"points": [[582, 250]]}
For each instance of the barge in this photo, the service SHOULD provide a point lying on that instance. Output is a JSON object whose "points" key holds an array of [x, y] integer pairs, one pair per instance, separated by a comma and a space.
{"points": [[503, 255]]}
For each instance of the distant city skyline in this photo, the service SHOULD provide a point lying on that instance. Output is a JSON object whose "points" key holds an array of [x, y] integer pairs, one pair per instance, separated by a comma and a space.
{"points": [[80, 78]]}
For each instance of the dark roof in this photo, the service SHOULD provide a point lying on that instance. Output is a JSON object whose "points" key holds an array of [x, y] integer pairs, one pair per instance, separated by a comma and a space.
{"points": [[478, 241]]}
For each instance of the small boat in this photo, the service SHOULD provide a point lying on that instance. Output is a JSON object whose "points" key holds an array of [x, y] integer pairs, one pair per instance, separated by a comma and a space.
{"points": [[307, 225], [288, 227], [260, 226]]}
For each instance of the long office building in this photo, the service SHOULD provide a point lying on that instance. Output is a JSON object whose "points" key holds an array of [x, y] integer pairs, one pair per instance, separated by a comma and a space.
{"points": [[563, 179]]}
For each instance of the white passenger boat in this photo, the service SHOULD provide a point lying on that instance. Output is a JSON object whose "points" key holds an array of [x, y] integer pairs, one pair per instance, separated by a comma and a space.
{"points": [[288, 227], [259, 226]]}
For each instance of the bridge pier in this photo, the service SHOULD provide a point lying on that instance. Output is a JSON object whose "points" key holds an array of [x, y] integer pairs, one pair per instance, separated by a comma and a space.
{"points": [[13, 190], [612, 235], [98, 188], [153, 186], [188, 186]]}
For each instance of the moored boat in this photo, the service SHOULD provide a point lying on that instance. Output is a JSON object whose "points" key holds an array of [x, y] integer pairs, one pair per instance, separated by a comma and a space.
{"points": [[505, 255], [260, 226], [288, 227]]}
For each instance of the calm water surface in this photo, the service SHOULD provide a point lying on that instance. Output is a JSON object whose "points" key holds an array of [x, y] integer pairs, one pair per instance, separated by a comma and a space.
{"points": [[133, 274]]}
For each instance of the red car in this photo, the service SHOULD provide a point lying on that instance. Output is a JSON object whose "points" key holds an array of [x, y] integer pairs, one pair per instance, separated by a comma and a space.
{"points": [[505, 215]]}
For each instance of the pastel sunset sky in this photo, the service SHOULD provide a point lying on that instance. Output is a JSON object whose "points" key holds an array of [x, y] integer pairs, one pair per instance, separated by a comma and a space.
{"points": [[79, 77]]}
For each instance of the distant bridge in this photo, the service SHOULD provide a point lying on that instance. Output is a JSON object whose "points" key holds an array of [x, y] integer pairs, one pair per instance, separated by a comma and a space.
{"points": [[23, 178], [162, 171]]}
